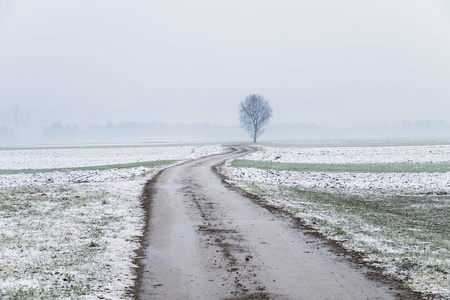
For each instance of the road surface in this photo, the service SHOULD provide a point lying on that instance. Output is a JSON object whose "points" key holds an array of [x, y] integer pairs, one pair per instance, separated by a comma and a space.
{"points": [[205, 240]]}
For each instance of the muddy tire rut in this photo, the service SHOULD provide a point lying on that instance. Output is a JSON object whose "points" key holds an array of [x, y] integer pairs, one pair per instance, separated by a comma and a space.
{"points": [[204, 240]]}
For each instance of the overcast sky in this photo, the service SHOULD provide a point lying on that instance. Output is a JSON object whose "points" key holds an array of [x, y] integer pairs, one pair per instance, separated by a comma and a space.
{"points": [[327, 62]]}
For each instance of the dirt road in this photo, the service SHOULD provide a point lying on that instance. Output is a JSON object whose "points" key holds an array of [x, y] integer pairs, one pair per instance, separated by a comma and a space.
{"points": [[208, 241]]}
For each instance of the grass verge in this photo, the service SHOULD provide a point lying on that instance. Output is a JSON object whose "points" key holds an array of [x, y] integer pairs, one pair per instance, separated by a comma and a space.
{"points": [[146, 164], [407, 235]]}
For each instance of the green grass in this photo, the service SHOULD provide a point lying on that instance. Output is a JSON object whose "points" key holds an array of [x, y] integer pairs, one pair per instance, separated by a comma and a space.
{"points": [[396, 214], [341, 168], [146, 164]]}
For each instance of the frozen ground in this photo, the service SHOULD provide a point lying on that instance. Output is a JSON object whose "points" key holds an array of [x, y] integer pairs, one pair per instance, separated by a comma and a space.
{"points": [[73, 235], [70, 241], [400, 220], [69, 157], [354, 155], [391, 182], [77, 176], [398, 182]]}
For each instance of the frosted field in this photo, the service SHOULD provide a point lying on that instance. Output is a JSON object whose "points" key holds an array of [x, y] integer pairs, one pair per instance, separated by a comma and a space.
{"points": [[390, 203], [392, 182], [73, 234], [421, 169], [354, 155], [69, 157]]}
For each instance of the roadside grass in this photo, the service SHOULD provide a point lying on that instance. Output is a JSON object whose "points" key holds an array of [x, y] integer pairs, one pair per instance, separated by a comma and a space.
{"points": [[56, 242], [145, 164], [407, 235], [341, 168]]}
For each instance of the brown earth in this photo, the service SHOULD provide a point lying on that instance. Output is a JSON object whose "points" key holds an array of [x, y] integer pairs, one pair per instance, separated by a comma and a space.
{"points": [[206, 240]]}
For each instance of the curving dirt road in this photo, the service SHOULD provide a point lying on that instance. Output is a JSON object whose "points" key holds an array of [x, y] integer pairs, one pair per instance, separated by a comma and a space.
{"points": [[208, 241]]}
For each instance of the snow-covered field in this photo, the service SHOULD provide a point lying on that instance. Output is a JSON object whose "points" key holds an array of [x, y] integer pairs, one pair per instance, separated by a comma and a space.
{"points": [[73, 235], [354, 155], [395, 155], [76, 176], [391, 182], [69, 157], [401, 221]]}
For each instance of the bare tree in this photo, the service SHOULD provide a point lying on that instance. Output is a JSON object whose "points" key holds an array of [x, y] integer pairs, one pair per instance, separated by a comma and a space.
{"points": [[255, 113]]}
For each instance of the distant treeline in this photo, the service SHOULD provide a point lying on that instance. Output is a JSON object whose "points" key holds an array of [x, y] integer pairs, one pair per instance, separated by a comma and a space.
{"points": [[204, 132], [141, 132]]}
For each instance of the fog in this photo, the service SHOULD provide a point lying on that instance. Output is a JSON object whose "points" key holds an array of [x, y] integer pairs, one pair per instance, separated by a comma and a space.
{"points": [[346, 63]]}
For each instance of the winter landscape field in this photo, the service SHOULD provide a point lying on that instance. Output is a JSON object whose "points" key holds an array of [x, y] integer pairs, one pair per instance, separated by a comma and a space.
{"points": [[389, 203], [71, 217]]}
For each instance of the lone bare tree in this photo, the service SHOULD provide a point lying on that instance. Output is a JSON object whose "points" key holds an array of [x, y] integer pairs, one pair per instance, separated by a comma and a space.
{"points": [[255, 113]]}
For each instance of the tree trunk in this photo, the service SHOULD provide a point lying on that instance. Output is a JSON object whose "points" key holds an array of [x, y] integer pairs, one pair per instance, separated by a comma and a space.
{"points": [[254, 137]]}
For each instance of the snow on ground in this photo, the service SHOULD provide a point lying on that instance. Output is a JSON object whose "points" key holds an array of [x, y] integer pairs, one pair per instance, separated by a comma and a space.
{"points": [[73, 235], [70, 241], [354, 155], [69, 157], [404, 253], [416, 182], [78, 176]]}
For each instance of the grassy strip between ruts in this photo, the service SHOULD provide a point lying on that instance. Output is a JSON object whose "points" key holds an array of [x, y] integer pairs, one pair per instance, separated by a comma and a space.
{"points": [[146, 164], [408, 235], [341, 168]]}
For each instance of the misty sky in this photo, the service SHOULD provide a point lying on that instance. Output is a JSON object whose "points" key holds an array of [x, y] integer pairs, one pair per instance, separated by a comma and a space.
{"points": [[327, 62]]}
